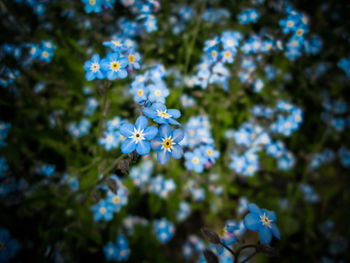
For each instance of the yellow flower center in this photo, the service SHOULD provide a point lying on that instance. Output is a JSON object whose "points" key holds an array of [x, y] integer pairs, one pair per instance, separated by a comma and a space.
{"points": [[110, 251], [210, 152], [158, 92], [167, 143], [163, 114], [300, 32], [45, 54], [195, 160], [115, 65], [92, 2], [140, 92], [265, 220], [116, 199], [131, 58], [117, 43], [227, 54], [214, 53]]}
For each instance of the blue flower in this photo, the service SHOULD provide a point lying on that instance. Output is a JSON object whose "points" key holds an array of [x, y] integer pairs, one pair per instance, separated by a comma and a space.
{"points": [[93, 68], [167, 143], [92, 6], [160, 114], [8, 247], [114, 66], [138, 136], [263, 221], [103, 210]]}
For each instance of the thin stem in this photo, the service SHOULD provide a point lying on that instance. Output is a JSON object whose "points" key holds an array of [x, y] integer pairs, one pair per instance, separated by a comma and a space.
{"points": [[238, 252], [249, 257], [229, 249]]}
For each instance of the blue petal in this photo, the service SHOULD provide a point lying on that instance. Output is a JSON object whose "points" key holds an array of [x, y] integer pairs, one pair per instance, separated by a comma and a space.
{"points": [[254, 208], [158, 106], [165, 131], [156, 144], [175, 113], [149, 113], [143, 147], [122, 73], [177, 152], [160, 120], [252, 222], [178, 135], [271, 215], [150, 132], [89, 75], [126, 129], [174, 122], [111, 75], [275, 231], [95, 58], [265, 235], [163, 157], [141, 123], [128, 146]]}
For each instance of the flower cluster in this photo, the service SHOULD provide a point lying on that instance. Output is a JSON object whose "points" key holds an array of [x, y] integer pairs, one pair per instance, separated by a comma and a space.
{"points": [[122, 59], [335, 114], [253, 138], [162, 187], [112, 137], [297, 24], [183, 212], [45, 169], [105, 208], [248, 16], [217, 52], [81, 129], [193, 244], [150, 86], [165, 141], [201, 150], [163, 229], [119, 250], [130, 222]]}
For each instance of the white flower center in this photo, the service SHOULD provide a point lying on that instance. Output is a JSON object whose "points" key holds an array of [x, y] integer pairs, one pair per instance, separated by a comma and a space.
{"points": [[137, 136], [265, 220]]}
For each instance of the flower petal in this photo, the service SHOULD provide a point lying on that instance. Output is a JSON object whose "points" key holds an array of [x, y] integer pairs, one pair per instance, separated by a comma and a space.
{"points": [[141, 123], [149, 113], [156, 144], [275, 231], [178, 135], [150, 132], [143, 147], [254, 208], [252, 222], [128, 146], [164, 130], [126, 129], [174, 113], [265, 235], [177, 152], [174, 122], [272, 215], [158, 106], [163, 157]]}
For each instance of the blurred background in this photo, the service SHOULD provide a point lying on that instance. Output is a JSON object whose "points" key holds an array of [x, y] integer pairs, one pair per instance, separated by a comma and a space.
{"points": [[263, 91]]}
